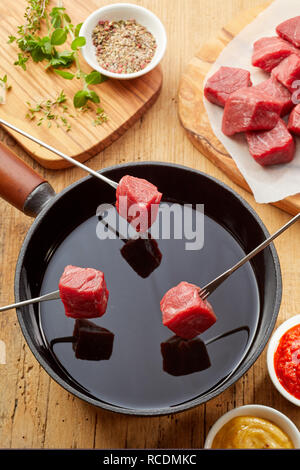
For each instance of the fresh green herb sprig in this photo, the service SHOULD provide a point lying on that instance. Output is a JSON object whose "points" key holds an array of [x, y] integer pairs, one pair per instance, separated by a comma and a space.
{"points": [[3, 81], [51, 111], [101, 117], [44, 49], [84, 95], [4, 88], [35, 11], [34, 14]]}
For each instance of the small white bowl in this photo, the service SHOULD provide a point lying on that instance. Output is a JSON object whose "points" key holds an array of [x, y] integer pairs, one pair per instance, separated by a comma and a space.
{"points": [[273, 344], [260, 411], [123, 11]]}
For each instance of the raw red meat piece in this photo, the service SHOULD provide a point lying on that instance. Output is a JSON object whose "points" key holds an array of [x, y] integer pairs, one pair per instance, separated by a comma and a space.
{"points": [[83, 292], [184, 312], [274, 88], [290, 30], [272, 147], [249, 110], [294, 120], [269, 52], [138, 202], [288, 72], [224, 82]]}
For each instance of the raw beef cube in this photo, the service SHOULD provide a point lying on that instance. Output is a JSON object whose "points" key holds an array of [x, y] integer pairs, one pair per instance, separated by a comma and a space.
{"points": [[274, 88], [290, 30], [138, 202], [143, 255], [183, 357], [224, 82], [92, 342], [249, 110], [184, 312], [294, 120], [269, 52], [288, 72], [272, 147], [83, 292]]}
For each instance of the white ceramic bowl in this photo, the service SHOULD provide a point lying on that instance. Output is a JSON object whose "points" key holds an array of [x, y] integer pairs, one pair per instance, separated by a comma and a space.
{"points": [[123, 11], [273, 344], [259, 411]]}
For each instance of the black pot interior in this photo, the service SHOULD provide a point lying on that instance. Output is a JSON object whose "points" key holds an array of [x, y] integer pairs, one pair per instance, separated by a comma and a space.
{"points": [[146, 374]]}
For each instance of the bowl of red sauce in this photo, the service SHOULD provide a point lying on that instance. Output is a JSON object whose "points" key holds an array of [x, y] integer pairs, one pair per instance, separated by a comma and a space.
{"points": [[283, 359]]}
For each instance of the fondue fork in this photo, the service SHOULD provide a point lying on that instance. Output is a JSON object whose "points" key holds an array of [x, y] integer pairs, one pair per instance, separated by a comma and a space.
{"points": [[52, 296], [212, 286], [112, 183]]}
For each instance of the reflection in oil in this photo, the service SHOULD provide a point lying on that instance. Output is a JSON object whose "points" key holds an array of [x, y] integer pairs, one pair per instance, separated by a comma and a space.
{"points": [[142, 253], [93, 343], [90, 342], [184, 357]]}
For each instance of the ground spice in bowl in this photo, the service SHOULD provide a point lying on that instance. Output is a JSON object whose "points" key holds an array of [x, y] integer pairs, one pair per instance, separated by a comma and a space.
{"points": [[123, 46]]}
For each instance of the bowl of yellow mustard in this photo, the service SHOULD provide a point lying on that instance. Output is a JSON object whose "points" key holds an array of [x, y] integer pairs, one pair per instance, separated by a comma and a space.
{"points": [[253, 427]]}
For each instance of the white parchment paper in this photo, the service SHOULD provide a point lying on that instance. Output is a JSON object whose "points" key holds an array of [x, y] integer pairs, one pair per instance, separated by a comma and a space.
{"points": [[273, 183]]}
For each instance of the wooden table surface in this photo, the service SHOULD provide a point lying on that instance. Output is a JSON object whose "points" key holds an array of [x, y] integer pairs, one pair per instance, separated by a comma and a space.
{"points": [[35, 412]]}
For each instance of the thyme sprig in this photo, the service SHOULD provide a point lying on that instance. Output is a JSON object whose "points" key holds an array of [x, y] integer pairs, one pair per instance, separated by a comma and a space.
{"points": [[101, 117], [3, 81], [34, 14], [51, 111], [4, 87]]}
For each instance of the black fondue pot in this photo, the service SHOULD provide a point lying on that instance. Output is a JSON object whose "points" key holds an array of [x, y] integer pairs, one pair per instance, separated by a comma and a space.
{"points": [[145, 370]]}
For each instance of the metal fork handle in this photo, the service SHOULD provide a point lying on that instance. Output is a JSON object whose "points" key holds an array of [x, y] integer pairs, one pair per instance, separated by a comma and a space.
{"points": [[60, 154], [211, 287], [43, 298]]}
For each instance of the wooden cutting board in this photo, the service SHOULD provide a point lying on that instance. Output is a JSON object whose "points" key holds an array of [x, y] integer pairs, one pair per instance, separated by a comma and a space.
{"points": [[192, 112], [123, 101]]}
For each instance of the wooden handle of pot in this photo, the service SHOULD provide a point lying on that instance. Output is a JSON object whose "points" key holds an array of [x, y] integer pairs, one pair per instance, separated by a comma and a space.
{"points": [[17, 180]]}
